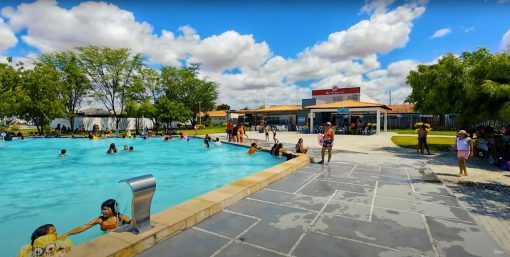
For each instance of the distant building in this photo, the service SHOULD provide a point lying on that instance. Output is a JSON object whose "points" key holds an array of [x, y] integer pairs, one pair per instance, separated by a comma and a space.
{"points": [[217, 117]]}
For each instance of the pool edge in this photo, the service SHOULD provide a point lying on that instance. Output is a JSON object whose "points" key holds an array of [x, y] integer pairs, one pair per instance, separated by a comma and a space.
{"points": [[173, 220]]}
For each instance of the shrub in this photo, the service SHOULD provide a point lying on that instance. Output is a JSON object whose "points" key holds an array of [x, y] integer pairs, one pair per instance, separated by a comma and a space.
{"points": [[14, 127]]}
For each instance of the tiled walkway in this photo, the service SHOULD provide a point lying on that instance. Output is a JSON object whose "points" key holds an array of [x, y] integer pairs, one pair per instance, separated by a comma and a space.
{"points": [[366, 206]]}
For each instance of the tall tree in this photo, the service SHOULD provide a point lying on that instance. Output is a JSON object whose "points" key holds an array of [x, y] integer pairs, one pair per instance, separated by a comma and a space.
{"points": [[74, 80], [41, 100], [10, 90], [111, 73], [170, 111], [476, 86], [184, 86], [147, 91]]}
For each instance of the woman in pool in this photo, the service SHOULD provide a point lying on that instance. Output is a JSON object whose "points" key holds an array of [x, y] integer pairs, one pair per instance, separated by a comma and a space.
{"points": [[112, 149], [110, 219]]}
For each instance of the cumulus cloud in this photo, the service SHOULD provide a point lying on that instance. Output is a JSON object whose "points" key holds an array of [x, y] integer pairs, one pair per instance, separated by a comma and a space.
{"points": [[8, 37], [441, 33], [505, 41], [382, 33], [346, 58]]}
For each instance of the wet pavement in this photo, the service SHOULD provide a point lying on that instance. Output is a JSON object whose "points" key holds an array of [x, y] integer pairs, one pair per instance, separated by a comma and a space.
{"points": [[366, 206]]}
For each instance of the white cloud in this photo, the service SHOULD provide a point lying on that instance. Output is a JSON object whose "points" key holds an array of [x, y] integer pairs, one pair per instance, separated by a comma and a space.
{"points": [[469, 29], [8, 39], [502, 1], [230, 50], [505, 41], [382, 33], [441, 33], [346, 58]]}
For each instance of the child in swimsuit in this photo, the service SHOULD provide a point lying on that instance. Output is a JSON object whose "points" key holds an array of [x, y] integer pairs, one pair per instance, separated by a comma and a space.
{"points": [[109, 220]]}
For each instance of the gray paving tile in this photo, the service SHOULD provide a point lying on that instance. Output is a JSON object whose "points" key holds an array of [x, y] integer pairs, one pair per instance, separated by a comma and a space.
{"points": [[266, 211], [314, 244], [298, 201], [367, 167], [362, 198], [458, 238], [237, 249], [366, 181], [279, 235], [292, 182], [403, 233], [339, 167], [227, 224], [351, 210], [323, 188], [365, 175], [372, 171], [430, 188], [394, 171], [185, 244], [427, 209]]}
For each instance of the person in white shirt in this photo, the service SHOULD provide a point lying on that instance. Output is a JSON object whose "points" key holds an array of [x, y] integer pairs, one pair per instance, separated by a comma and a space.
{"points": [[464, 150]]}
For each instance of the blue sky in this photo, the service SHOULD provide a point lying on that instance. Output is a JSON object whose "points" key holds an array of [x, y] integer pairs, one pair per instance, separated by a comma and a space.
{"points": [[271, 45]]}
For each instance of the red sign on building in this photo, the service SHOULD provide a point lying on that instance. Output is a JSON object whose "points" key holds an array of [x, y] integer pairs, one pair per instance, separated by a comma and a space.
{"points": [[336, 91]]}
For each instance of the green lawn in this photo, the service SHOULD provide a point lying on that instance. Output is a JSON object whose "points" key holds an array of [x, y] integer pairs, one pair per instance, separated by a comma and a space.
{"points": [[209, 130], [433, 132], [434, 143]]}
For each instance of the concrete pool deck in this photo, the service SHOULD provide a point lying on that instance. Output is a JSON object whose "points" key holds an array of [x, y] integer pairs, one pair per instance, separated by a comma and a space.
{"points": [[185, 215], [359, 205]]}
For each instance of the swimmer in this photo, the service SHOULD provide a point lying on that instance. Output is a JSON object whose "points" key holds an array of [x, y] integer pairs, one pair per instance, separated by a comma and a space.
{"points": [[131, 148], [126, 148], [62, 153], [110, 219], [218, 142], [206, 143], [46, 242], [112, 149], [253, 149]]}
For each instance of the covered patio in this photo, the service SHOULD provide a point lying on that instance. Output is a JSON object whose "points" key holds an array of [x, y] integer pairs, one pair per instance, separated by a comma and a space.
{"points": [[348, 109], [281, 116]]}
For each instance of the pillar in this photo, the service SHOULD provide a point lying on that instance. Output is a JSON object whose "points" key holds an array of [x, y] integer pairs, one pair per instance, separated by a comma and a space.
{"points": [[385, 121], [378, 119]]}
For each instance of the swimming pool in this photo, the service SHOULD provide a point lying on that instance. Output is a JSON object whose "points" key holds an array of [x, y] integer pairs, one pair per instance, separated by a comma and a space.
{"points": [[38, 187]]}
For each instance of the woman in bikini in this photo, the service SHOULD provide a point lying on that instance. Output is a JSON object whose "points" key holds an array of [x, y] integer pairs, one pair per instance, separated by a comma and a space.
{"points": [[300, 148], [327, 143], [110, 219]]}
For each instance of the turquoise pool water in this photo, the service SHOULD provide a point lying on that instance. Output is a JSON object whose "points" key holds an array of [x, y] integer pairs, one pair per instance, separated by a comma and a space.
{"points": [[38, 187]]}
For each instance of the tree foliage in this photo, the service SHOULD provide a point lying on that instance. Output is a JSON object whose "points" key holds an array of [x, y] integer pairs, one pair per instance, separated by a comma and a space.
{"points": [[75, 84], [223, 107], [476, 86], [112, 73]]}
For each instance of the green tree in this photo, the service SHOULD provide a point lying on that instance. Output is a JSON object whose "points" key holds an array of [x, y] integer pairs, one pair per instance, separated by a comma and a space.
{"points": [[474, 85], [111, 73], [147, 90], [223, 107], [10, 90], [74, 80], [169, 111], [40, 101], [184, 86]]}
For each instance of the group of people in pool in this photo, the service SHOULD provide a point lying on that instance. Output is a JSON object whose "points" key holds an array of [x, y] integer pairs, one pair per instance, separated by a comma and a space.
{"points": [[46, 242]]}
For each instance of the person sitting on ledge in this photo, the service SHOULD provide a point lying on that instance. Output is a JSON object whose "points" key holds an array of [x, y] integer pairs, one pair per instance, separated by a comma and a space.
{"points": [[109, 220]]}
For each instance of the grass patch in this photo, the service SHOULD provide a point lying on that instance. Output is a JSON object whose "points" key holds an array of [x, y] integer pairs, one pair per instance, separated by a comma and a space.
{"points": [[209, 130], [433, 132], [435, 143]]}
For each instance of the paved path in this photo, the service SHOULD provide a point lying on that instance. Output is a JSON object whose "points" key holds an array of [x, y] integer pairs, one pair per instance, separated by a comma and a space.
{"points": [[368, 206]]}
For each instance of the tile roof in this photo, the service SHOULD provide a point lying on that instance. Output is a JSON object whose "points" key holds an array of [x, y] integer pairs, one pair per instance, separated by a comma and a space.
{"points": [[347, 104], [402, 108], [214, 114], [276, 108]]}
